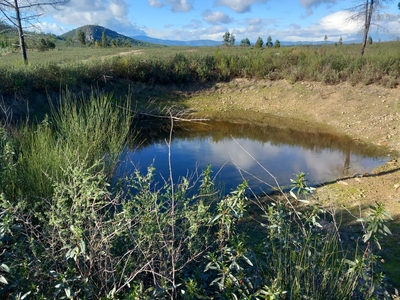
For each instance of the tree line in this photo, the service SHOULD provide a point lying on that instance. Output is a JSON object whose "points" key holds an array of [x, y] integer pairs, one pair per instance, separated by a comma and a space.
{"points": [[229, 40], [40, 42]]}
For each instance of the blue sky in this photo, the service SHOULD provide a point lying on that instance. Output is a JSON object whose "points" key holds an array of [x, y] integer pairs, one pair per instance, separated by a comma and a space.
{"points": [[286, 20]]}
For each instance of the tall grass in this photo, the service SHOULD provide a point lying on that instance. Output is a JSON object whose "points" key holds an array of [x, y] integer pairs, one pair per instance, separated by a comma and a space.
{"points": [[91, 129], [330, 65]]}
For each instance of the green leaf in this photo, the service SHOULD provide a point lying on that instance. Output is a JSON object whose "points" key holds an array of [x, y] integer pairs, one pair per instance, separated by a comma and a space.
{"points": [[83, 246], [3, 279], [304, 201], [386, 229], [67, 292], [217, 217], [248, 261], [5, 268], [367, 236], [25, 295], [54, 273]]}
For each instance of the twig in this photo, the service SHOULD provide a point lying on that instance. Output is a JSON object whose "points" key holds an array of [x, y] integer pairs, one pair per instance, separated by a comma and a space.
{"points": [[170, 117]]}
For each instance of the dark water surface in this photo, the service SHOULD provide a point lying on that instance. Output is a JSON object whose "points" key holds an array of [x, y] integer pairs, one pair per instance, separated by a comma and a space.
{"points": [[238, 150]]}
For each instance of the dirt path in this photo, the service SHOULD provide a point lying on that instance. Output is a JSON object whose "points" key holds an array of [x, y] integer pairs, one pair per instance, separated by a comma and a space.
{"points": [[132, 52]]}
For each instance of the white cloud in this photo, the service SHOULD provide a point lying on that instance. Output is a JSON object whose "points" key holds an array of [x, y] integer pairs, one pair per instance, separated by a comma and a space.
{"points": [[255, 21], [52, 27], [240, 6], [119, 8], [180, 5], [339, 22], [155, 3], [194, 24], [334, 26], [216, 17], [309, 4], [177, 5], [112, 14]]}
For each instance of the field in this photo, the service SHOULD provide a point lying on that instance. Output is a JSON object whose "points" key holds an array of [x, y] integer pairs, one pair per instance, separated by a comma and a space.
{"points": [[54, 166]]}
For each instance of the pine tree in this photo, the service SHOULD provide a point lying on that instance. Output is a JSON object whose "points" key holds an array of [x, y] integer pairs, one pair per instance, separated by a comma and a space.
{"points": [[245, 42], [259, 43], [104, 41], [269, 43], [81, 37], [226, 38]]}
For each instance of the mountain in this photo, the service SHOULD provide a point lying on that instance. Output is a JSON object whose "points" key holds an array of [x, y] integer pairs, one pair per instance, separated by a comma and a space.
{"points": [[94, 33], [195, 43]]}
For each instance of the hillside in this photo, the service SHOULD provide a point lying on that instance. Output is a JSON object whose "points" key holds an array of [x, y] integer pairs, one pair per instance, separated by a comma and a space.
{"points": [[94, 33]]}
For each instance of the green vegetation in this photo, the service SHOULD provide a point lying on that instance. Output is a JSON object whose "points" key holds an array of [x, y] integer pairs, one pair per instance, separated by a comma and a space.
{"points": [[330, 65], [68, 231], [259, 43], [228, 39]]}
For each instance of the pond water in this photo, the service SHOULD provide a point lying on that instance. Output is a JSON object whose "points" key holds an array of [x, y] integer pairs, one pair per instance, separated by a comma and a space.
{"points": [[238, 151]]}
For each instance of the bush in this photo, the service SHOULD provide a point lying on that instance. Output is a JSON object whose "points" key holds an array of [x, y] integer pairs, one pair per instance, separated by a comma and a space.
{"points": [[66, 232]]}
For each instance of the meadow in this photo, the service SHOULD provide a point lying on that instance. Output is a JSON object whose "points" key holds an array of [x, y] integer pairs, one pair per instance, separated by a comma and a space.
{"points": [[79, 66], [68, 232]]}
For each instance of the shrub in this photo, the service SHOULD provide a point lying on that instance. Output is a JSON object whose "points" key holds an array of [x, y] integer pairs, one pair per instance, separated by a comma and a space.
{"points": [[66, 232]]}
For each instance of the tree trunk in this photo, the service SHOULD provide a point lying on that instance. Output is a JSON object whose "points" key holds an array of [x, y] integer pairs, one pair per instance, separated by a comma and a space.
{"points": [[369, 6], [20, 32]]}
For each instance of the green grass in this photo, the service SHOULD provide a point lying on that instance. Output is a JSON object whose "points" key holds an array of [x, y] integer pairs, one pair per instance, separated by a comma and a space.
{"points": [[89, 129], [90, 66]]}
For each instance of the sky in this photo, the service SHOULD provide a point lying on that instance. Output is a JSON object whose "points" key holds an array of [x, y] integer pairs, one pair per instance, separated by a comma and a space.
{"points": [[285, 20]]}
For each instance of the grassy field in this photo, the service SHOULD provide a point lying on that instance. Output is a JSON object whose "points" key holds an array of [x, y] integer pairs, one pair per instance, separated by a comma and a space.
{"points": [[89, 66]]}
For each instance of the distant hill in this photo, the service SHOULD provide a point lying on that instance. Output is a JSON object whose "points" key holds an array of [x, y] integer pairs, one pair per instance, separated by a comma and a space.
{"points": [[94, 33], [195, 43]]}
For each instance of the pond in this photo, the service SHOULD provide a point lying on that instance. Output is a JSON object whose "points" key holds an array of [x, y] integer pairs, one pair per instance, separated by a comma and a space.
{"points": [[266, 156]]}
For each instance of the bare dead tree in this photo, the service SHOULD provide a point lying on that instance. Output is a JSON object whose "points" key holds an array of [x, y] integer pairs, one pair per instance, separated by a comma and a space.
{"points": [[21, 14], [369, 12]]}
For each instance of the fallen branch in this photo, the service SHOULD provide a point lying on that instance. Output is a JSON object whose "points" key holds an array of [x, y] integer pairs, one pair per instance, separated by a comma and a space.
{"points": [[170, 117]]}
